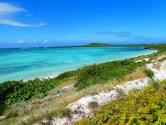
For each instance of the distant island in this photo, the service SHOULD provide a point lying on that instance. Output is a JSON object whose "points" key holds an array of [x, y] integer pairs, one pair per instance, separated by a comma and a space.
{"points": [[95, 45]]}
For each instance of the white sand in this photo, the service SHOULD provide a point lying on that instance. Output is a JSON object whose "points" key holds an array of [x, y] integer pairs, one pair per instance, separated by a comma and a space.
{"points": [[160, 74], [82, 105], [80, 108]]}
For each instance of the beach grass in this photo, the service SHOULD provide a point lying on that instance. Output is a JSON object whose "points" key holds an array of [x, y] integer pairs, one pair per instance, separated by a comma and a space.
{"points": [[101, 73]]}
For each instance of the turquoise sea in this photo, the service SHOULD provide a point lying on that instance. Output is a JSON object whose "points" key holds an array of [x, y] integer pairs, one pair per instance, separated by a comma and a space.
{"points": [[30, 63]]}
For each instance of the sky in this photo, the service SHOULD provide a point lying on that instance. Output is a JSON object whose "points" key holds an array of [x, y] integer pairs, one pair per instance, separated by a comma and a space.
{"points": [[28, 23]]}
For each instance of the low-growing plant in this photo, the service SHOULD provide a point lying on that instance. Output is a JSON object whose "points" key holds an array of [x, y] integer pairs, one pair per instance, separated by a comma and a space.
{"points": [[12, 92], [162, 59], [159, 47], [121, 93], [101, 73], [149, 73], [66, 75], [155, 85], [145, 107]]}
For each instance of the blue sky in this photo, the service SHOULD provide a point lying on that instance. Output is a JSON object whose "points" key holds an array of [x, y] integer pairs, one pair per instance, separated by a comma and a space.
{"points": [[70, 22]]}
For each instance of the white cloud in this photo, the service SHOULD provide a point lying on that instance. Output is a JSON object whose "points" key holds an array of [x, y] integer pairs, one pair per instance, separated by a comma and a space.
{"points": [[8, 11], [11, 22]]}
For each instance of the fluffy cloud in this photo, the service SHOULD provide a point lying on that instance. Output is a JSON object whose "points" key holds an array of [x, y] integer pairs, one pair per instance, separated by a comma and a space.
{"points": [[19, 24], [9, 11]]}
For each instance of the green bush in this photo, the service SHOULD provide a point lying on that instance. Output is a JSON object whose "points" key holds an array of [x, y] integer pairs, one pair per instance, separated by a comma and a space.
{"points": [[99, 74], [159, 47], [15, 91], [146, 107], [12, 92], [149, 73]]}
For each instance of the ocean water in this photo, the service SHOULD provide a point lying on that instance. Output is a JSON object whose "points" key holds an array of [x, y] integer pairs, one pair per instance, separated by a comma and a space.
{"points": [[24, 64]]}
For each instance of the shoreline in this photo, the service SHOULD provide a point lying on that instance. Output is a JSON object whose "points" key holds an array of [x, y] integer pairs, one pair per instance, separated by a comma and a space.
{"points": [[55, 74], [83, 99], [80, 108]]}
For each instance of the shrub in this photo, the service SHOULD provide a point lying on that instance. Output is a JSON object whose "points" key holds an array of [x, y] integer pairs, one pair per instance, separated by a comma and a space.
{"points": [[12, 92], [159, 47], [121, 93], [140, 107], [149, 73], [101, 73]]}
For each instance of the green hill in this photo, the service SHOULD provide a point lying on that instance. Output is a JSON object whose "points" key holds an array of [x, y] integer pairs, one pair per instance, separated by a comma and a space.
{"points": [[96, 45]]}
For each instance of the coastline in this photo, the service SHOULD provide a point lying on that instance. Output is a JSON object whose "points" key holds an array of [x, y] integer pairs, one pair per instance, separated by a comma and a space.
{"points": [[54, 75], [54, 72], [74, 95], [105, 96]]}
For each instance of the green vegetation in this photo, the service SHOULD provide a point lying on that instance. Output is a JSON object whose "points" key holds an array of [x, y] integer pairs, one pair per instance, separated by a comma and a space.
{"points": [[101, 73], [149, 73], [122, 110], [12, 92], [96, 45], [162, 59], [159, 47], [15, 91], [146, 107], [67, 75]]}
